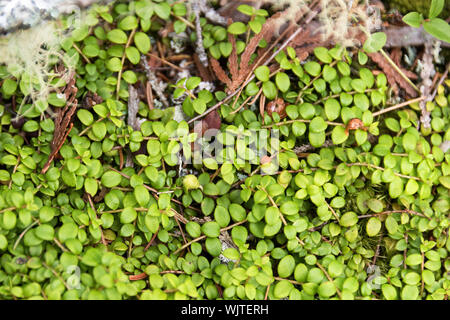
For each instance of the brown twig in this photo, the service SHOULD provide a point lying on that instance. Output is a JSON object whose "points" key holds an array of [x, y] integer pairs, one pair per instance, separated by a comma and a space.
{"points": [[281, 214], [267, 291], [406, 36], [394, 211], [330, 123], [95, 211], [242, 105], [121, 159], [149, 95], [404, 251], [165, 61], [179, 226], [377, 250], [172, 272], [151, 240], [56, 274], [119, 77], [81, 53], [397, 68], [14, 171], [332, 211], [59, 244], [422, 265], [157, 85], [398, 106], [329, 278], [363, 164], [442, 79], [23, 233], [291, 281]]}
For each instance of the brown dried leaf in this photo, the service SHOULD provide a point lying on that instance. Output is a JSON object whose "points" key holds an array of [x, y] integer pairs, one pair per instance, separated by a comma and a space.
{"points": [[396, 56], [278, 105], [355, 124], [212, 120], [149, 95], [91, 99]]}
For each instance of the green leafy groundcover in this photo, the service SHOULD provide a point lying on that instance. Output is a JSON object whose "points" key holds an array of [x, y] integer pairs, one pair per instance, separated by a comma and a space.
{"points": [[362, 214]]}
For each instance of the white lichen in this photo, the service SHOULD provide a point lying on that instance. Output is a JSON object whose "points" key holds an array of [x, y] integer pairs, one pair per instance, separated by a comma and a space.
{"points": [[336, 18], [208, 11], [178, 41], [205, 85], [30, 55], [221, 257], [436, 51]]}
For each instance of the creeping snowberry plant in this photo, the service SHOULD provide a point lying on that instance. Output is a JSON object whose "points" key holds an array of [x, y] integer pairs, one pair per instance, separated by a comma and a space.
{"points": [[183, 155]]}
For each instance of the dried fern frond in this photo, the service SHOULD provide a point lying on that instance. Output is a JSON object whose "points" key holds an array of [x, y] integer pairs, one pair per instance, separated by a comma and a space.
{"points": [[219, 72], [394, 78], [240, 71], [63, 120]]}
